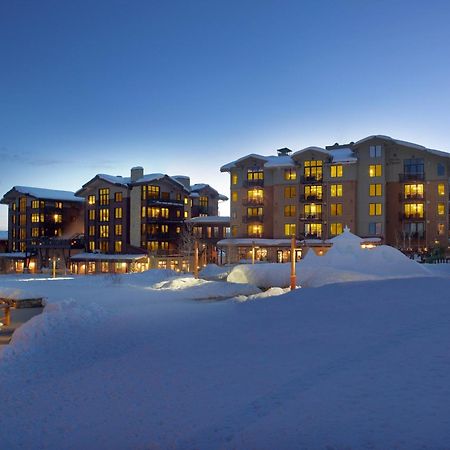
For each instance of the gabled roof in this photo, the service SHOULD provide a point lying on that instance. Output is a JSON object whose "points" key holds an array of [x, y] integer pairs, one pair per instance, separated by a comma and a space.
{"points": [[42, 194], [269, 162], [232, 164], [195, 188], [403, 143]]}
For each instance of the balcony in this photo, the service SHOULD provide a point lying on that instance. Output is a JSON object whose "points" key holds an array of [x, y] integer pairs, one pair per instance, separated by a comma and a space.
{"points": [[253, 183], [313, 236], [311, 179], [414, 236], [253, 202], [154, 201], [317, 216], [419, 217], [410, 197], [310, 198], [250, 219], [411, 177]]}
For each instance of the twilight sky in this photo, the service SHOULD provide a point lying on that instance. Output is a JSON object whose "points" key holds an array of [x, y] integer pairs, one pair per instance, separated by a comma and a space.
{"points": [[183, 87]]}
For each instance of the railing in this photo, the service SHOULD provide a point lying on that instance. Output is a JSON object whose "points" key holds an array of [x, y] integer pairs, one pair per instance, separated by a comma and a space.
{"points": [[248, 219], [317, 216], [408, 197], [411, 176], [163, 200], [252, 183], [313, 236], [416, 216], [253, 202], [311, 198], [414, 236], [311, 179]]}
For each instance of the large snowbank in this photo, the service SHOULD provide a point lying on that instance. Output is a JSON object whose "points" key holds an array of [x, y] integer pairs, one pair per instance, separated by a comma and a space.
{"points": [[345, 261], [215, 272], [353, 365]]}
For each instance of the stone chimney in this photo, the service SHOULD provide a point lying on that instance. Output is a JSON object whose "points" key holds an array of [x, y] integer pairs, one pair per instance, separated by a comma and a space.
{"points": [[136, 173]]}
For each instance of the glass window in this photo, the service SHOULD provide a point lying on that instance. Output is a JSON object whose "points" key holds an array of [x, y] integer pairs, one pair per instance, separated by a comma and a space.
{"points": [[118, 229], [255, 195], [118, 196], [290, 211], [118, 213], [413, 190], [375, 151], [375, 170], [313, 192], [289, 229], [104, 231], [336, 190], [375, 190], [313, 229], [313, 170], [118, 246], [91, 200], [104, 215], [290, 192], [336, 209], [414, 210], [255, 230], [104, 196], [255, 174], [234, 196], [234, 178], [336, 228], [413, 167], [441, 209], [440, 170], [336, 171], [290, 174], [441, 189], [375, 209], [254, 212], [375, 228]]}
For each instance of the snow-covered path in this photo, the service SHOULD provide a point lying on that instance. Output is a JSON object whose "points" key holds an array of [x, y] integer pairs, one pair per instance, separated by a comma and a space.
{"points": [[353, 365]]}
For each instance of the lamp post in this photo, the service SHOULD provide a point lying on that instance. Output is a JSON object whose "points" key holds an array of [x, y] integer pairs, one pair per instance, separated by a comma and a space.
{"points": [[253, 252], [196, 259], [293, 274]]}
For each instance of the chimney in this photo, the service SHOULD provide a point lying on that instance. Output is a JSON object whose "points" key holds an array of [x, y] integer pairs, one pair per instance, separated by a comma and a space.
{"points": [[136, 173]]}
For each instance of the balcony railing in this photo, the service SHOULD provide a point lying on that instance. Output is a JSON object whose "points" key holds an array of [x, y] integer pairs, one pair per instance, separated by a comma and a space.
{"points": [[253, 183], [409, 197], [254, 202], [248, 219], [415, 236], [313, 236], [311, 179], [411, 176], [310, 198], [317, 216], [157, 200], [416, 216]]}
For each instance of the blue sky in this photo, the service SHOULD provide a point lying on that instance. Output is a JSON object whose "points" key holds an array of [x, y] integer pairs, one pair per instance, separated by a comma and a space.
{"points": [[184, 87]]}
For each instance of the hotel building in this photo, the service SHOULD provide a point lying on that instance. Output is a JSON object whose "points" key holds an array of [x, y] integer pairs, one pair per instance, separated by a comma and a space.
{"points": [[383, 189]]}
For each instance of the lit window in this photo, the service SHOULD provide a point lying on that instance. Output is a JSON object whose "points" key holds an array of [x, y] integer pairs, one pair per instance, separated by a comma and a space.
{"points": [[375, 151], [441, 209], [91, 230], [179, 213], [290, 211], [290, 174], [104, 231], [290, 192], [441, 228], [143, 211], [91, 246], [164, 245], [35, 218], [57, 218], [414, 210], [375, 209], [203, 202], [234, 230], [118, 229], [118, 246], [164, 229], [313, 229], [313, 192], [234, 196], [375, 190], [336, 190], [312, 210], [186, 214], [336, 171], [255, 174], [255, 195], [313, 170], [289, 229], [91, 200], [255, 230], [35, 232], [92, 214], [104, 215], [118, 197], [234, 178], [104, 196], [58, 205], [441, 189], [118, 213], [375, 170], [254, 212], [152, 192], [335, 229], [336, 209], [413, 190], [35, 204]]}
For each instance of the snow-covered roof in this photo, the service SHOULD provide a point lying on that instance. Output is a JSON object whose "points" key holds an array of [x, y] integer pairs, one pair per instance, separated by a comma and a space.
{"points": [[3, 235], [404, 143], [45, 194], [199, 186], [248, 242], [13, 255], [106, 257], [343, 156], [269, 162], [210, 219], [345, 237], [312, 148], [114, 179], [223, 197], [232, 164]]}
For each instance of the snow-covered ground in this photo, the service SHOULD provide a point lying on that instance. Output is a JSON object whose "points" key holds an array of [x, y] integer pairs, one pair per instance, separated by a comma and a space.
{"points": [[133, 362]]}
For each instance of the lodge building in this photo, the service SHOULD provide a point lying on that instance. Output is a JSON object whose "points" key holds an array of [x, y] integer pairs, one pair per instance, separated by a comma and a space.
{"points": [[383, 189]]}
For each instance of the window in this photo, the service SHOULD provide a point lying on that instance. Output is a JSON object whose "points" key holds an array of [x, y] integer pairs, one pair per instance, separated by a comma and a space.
{"points": [[375, 228], [35, 218], [289, 229], [92, 214], [186, 201], [375, 170], [313, 192], [255, 230], [152, 192], [375, 190], [186, 214], [35, 232], [165, 195], [336, 209], [203, 201], [313, 170], [152, 246], [118, 229], [118, 196], [118, 213], [254, 212], [57, 218], [375, 151], [164, 229], [440, 170], [104, 215], [336, 190], [312, 211], [414, 229], [441, 229], [35, 204], [91, 246], [234, 230], [375, 209], [178, 230], [118, 246], [290, 192], [104, 196], [58, 205], [234, 196], [104, 231], [164, 245], [255, 174], [413, 168], [335, 228], [290, 174], [313, 229], [413, 190], [91, 200], [336, 171], [441, 189], [255, 196], [290, 211], [441, 209], [414, 210], [234, 178], [91, 230]]}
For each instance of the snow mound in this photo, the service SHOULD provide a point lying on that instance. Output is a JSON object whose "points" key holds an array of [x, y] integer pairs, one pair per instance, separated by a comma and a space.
{"points": [[345, 261], [149, 277], [272, 292], [214, 272]]}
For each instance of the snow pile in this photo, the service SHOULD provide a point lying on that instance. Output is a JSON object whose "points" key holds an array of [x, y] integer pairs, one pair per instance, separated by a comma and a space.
{"points": [[215, 272], [345, 261], [272, 292], [148, 277]]}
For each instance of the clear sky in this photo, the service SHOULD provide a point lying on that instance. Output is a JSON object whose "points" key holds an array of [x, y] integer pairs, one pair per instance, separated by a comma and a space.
{"points": [[183, 87]]}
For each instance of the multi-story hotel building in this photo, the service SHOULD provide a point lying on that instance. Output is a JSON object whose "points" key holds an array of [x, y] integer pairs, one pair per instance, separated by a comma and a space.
{"points": [[381, 188], [42, 224], [136, 222]]}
